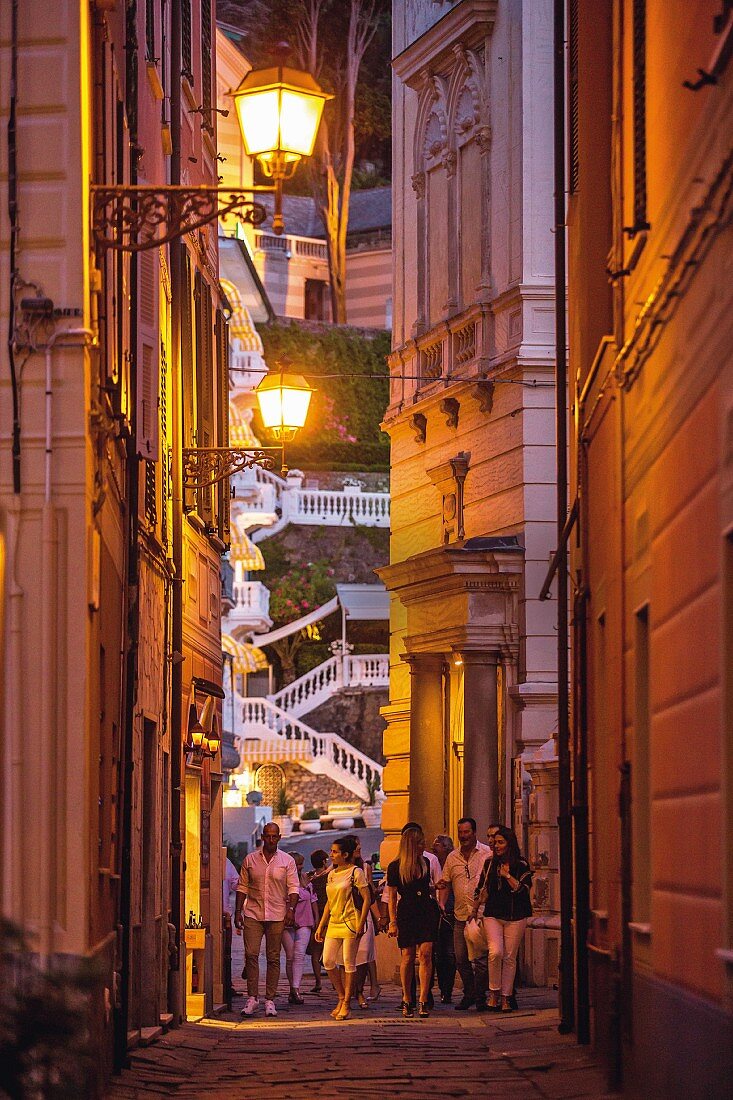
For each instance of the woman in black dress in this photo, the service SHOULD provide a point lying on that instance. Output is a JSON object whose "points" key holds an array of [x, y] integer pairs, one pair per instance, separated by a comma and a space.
{"points": [[413, 918]]}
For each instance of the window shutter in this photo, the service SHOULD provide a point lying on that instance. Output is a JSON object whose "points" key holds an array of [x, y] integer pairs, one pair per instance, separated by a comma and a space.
{"points": [[148, 365], [187, 353], [186, 64], [206, 50], [204, 380], [222, 368], [639, 117]]}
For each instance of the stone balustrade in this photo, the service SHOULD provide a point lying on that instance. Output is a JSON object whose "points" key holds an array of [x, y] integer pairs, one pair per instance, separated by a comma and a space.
{"points": [[251, 605], [323, 753], [450, 351], [317, 686]]}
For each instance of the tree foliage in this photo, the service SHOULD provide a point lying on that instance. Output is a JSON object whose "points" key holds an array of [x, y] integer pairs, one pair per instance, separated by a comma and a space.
{"points": [[342, 430], [294, 594], [345, 45]]}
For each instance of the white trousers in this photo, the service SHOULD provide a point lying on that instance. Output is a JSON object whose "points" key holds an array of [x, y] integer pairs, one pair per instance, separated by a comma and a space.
{"points": [[504, 938], [295, 941], [340, 953]]}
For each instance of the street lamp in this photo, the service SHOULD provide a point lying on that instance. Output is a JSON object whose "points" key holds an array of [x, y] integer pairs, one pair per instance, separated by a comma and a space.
{"points": [[283, 399], [279, 110]]}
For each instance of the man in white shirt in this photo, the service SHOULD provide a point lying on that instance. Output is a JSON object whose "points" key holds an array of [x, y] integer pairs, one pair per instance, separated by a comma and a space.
{"points": [[269, 883], [461, 872]]}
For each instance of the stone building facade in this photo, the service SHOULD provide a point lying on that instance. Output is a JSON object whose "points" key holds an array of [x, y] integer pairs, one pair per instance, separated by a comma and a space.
{"points": [[113, 369], [651, 330], [471, 423]]}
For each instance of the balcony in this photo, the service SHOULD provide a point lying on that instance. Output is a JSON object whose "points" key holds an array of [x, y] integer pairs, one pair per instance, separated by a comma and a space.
{"points": [[251, 607], [454, 350]]}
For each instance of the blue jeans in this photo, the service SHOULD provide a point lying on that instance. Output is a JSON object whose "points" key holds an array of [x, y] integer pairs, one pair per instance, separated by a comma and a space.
{"points": [[474, 975]]}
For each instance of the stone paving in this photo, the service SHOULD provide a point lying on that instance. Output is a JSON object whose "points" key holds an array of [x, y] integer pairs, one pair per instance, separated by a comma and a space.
{"points": [[305, 1054]]}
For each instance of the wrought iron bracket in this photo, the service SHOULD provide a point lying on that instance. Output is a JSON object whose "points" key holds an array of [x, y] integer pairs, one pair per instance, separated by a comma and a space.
{"points": [[135, 218], [204, 466]]}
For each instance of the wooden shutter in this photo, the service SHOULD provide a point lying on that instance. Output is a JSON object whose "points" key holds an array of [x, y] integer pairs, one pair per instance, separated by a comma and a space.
{"points": [[187, 352], [206, 81], [148, 363], [639, 117], [186, 38], [222, 372], [204, 380]]}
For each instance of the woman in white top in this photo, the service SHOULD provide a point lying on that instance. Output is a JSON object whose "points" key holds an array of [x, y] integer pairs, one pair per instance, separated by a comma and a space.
{"points": [[343, 920]]}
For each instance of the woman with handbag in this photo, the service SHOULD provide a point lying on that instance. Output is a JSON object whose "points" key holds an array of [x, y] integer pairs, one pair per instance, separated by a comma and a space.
{"points": [[343, 920], [503, 893], [366, 956], [413, 918]]}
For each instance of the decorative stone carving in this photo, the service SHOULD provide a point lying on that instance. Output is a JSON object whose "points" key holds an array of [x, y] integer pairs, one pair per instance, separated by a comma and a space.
{"points": [[483, 392], [483, 139], [418, 185], [449, 478], [419, 425], [449, 161], [450, 406]]}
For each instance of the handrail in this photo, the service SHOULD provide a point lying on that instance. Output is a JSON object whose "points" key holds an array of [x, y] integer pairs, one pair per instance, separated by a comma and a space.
{"points": [[330, 754], [320, 683]]}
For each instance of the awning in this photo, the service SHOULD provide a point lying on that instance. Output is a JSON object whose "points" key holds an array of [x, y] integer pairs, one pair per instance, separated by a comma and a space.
{"points": [[245, 551], [364, 601], [245, 657], [240, 429]]}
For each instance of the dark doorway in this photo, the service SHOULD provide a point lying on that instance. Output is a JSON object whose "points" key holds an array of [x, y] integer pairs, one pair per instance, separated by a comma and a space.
{"points": [[316, 300]]}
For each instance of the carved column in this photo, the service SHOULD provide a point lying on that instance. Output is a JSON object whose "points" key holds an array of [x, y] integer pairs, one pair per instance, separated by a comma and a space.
{"points": [[483, 140], [419, 187], [427, 743], [450, 161], [481, 738]]}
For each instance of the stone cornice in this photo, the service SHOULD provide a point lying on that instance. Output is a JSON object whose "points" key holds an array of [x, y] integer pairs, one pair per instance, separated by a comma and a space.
{"points": [[467, 24], [453, 569]]}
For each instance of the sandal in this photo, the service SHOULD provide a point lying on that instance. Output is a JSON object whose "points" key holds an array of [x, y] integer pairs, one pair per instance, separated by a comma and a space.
{"points": [[423, 1010], [362, 1001], [505, 1005], [377, 995], [344, 1013], [407, 1010], [336, 1010]]}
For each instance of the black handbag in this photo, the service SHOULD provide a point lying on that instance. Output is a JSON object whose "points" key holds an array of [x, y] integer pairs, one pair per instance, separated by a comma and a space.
{"points": [[356, 897]]}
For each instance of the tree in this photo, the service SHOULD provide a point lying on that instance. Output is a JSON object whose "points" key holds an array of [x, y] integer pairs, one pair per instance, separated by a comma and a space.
{"points": [[345, 44], [322, 39], [301, 590]]}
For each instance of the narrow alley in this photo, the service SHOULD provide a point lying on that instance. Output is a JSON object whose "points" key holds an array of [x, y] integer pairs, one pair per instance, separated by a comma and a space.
{"points": [[303, 1053]]}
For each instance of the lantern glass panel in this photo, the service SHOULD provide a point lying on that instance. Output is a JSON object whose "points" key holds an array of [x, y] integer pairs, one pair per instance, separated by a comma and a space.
{"points": [[300, 115], [259, 120]]}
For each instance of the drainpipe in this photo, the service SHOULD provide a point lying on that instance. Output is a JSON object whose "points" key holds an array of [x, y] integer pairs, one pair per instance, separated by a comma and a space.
{"points": [[565, 823], [48, 657], [177, 254]]}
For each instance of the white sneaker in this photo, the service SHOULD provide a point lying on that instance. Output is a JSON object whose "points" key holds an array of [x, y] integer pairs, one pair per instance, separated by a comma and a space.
{"points": [[270, 1009], [249, 1006]]}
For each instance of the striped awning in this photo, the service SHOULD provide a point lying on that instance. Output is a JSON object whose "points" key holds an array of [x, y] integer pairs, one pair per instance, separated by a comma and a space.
{"points": [[240, 429], [245, 657], [245, 551]]}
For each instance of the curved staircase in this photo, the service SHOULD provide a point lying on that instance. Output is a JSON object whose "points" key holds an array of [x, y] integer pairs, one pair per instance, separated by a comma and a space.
{"points": [[317, 686], [271, 734]]}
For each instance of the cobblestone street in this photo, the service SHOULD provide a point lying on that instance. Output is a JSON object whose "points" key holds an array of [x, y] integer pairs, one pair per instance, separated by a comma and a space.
{"points": [[305, 1054]]}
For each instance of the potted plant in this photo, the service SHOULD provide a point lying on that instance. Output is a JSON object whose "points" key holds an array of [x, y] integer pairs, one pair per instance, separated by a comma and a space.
{"points": [[281, 812], [372, 811], [310, 822]]}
